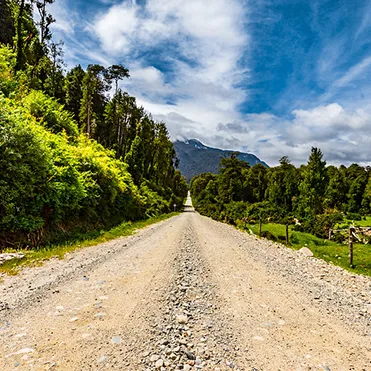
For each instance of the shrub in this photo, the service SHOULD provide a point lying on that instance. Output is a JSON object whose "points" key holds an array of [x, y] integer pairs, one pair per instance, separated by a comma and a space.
{"points": [[50, 113], [354, 216], [48, 182]]}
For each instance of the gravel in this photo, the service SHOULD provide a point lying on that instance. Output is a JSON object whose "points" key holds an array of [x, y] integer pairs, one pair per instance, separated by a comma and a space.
{"points": [[186, 294]]}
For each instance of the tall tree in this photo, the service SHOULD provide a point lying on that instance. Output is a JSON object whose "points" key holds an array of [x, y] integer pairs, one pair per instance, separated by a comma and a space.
{"points": [[231, 179], [46, 19], [93, 99], [20, 52], [55, 80], [313, 186], [73, 90], [7, 29], [116, 73]]}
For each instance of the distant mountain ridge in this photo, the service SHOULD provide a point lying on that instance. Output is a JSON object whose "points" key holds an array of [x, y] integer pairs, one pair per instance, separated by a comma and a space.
{"points": [[196, 158]]}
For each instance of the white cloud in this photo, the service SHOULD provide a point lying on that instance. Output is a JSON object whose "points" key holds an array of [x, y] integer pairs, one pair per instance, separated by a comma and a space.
{"points": [[340, 133], [200, 41]]}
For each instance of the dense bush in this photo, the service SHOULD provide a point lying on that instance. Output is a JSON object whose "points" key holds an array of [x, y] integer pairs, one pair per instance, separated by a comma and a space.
{"points": [[354, 216], [7, 62], [50, 113], [46, 181], [62, 177]]}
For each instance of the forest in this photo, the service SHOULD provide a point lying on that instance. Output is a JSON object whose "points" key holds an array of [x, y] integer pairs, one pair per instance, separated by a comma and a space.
{"points": [[77, 153], [313, 197]]}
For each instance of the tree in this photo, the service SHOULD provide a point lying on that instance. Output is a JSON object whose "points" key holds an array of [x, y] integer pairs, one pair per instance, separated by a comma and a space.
{"points": [[7, 29], [283, 185], [366, 199], [116, 73], [55, 80], [46, 19], [134, 158], [93, 99], [313, 186], [337, 188], [73, 90], [231, 179], [24, 6]]}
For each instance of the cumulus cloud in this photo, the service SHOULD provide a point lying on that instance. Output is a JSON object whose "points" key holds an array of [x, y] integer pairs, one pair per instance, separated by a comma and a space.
{"points": [[340, 133]]}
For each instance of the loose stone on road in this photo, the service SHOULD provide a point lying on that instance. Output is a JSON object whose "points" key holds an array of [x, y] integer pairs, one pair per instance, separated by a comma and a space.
{"points": [[188, 293]]}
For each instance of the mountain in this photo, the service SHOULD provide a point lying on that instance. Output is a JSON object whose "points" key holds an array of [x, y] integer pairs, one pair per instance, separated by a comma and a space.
{"points": [[196, 158]]}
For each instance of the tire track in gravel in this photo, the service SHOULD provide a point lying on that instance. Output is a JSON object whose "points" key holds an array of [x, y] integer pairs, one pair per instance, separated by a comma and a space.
{"points": [[188, 332]]}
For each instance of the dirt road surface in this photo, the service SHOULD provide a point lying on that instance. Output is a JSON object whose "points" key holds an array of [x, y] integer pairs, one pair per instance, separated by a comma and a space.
{"points": [[188, 293]]}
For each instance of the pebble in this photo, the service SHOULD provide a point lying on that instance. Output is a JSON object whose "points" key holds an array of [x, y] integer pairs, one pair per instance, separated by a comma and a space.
{"points": [[116, 340], [159, 363], [182, 319]]}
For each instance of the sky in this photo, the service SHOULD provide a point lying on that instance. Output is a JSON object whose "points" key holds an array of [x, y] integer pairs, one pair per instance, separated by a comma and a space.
{"points": [[269, 77]]}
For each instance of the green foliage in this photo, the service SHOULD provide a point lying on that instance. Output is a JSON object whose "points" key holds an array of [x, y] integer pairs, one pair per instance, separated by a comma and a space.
{"points": [[7, 29], [50, 113], [73, 90], [7, 63], [313, 186], [50, 184], [313, 196]]}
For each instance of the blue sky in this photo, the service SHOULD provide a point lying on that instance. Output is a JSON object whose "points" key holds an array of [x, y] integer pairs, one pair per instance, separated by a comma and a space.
{"points": [[272, 77]]}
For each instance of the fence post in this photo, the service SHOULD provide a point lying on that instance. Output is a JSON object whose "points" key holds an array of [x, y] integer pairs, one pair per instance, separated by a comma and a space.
{"points": [[287, 234]]}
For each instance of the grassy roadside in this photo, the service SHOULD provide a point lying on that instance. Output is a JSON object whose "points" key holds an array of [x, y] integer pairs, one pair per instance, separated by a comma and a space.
{"points": [[365, 222], [329, 251], [37, 257]]}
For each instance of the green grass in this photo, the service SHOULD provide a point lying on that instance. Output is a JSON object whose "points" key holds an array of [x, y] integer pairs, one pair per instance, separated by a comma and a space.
{"points": [[358, 223], [36, 257], [327, 250]]}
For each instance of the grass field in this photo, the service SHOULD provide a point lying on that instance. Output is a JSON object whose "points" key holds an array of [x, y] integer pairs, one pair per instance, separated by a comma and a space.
{"points": [[38, 256], [327, 250]]}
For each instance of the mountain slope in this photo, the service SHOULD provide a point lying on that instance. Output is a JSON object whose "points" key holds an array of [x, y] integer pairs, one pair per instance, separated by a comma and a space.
{"points": [[196, 158]]}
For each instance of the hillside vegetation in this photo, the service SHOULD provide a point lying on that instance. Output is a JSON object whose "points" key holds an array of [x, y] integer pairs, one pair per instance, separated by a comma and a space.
{"points": [[73, 157]]}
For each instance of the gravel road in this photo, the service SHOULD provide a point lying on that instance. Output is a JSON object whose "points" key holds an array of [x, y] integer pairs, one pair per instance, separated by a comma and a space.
{"points": [[188, 293]]}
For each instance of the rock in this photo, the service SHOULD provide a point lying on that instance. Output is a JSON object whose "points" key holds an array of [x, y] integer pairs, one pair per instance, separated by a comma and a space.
{"points": [[159, 363], [182, 319], [154, 358], [116, 340], [187, 368], [306, 252], [190, 355]]}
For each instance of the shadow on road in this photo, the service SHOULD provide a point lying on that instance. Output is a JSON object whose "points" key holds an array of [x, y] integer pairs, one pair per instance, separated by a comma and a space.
{"points": [[188, 209]]}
